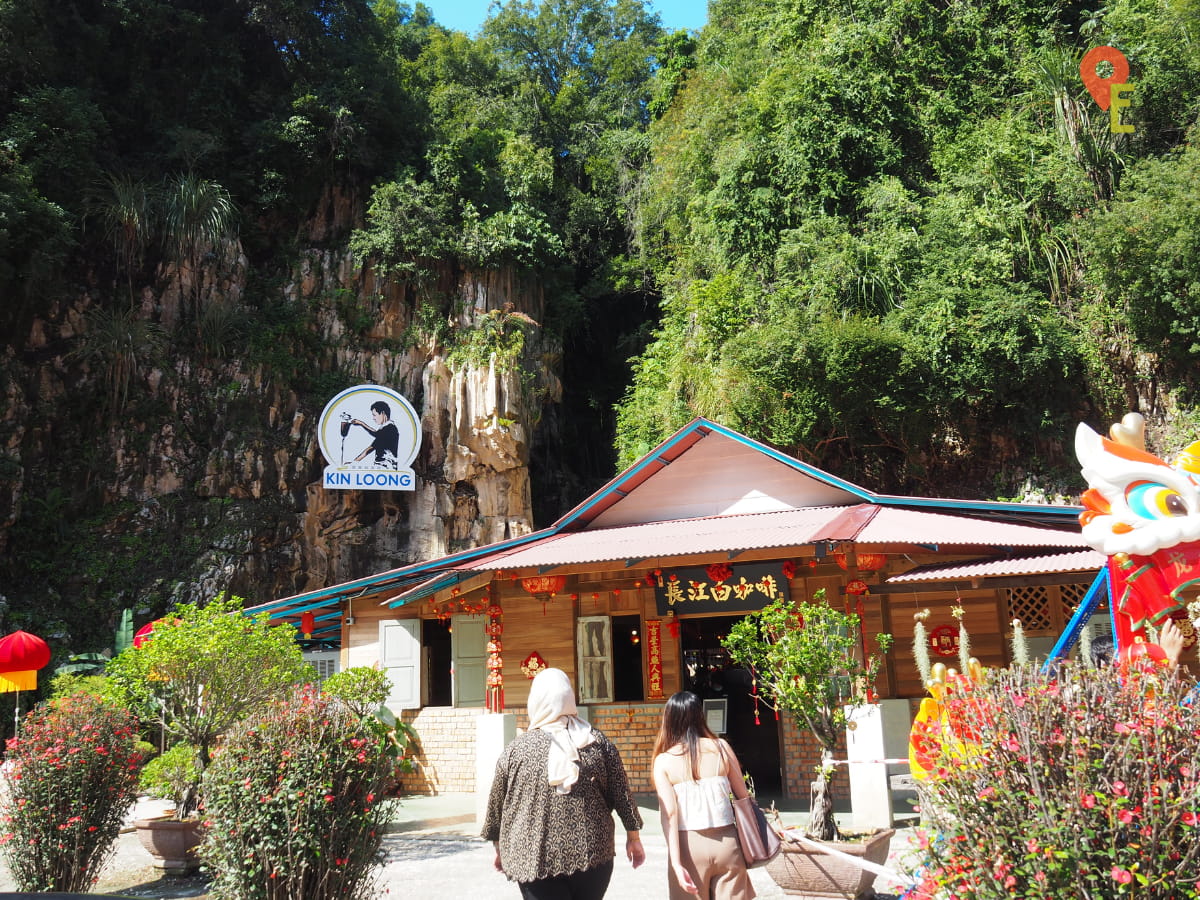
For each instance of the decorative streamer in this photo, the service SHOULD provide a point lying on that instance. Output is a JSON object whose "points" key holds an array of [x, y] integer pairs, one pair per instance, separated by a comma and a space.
{"points": [[1020, 647], [921, 646]]}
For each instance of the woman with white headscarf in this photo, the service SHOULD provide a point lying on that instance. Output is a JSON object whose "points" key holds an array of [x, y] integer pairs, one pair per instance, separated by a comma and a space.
{"points": [[550, 810]]}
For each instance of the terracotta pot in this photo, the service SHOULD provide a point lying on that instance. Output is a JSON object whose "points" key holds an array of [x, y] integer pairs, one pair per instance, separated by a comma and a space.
{"points": [[806, 872], [172, 843]]}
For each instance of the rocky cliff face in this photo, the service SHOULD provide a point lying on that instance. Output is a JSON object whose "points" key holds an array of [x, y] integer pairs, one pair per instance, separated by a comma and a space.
{"points": [[205, 476]]}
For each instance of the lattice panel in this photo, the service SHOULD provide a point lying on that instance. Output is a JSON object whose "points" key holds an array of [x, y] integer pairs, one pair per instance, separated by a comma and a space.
{"points": [[1071, 596], [1032, 606]]}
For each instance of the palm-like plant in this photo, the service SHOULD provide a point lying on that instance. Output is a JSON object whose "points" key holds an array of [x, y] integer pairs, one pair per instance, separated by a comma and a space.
{"points": [[122, 342], [196, 213], [126, 209]]}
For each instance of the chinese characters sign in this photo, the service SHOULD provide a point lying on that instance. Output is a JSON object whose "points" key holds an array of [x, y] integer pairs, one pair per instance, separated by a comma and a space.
{"points": [[744, 588], [654, 658]]}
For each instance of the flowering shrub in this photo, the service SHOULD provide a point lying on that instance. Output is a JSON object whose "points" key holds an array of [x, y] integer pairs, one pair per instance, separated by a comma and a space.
{"points": [[1085, 784], [295, 804], [73, 776]]}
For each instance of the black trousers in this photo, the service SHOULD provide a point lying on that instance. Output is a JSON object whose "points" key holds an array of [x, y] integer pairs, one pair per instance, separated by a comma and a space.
{"points": [[590, 884]]}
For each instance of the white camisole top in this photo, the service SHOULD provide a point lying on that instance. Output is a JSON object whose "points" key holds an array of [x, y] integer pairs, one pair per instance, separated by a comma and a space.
{"points": [[704, 803]]}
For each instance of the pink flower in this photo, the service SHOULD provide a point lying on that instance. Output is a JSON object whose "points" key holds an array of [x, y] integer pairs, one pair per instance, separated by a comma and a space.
{"points": [[1125, 816], [1188, 818], [1121, 876], [1088, 801], [1119, 789]]}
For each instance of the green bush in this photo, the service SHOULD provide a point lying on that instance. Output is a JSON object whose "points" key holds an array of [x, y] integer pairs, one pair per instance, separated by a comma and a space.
{"points": [[73, 777], [172, 775], [295, 803]]}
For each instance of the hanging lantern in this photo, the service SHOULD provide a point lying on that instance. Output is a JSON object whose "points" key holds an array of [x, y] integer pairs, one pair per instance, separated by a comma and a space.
{"points": [[871, 562], [789, 569], [719, 573], [144, 633], [543, 587], [864, 562], [857, 587], [494, 693], [308, 624], [21, 655]]}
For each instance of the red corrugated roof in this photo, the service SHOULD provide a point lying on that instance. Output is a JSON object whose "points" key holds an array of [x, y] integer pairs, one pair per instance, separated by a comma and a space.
{"points": [[1077, 561], [864, 524]]}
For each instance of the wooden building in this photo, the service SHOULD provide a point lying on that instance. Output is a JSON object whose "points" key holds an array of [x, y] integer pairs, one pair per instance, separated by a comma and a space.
{"points": [[631, 592]]}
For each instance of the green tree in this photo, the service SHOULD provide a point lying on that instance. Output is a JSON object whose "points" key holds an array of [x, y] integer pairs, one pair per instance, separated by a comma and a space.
{"points": [[204, 669], [807, 659]]}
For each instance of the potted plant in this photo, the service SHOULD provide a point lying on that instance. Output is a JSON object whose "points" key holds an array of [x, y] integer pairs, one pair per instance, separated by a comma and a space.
{"points": [[808, 661], [203, 670]]}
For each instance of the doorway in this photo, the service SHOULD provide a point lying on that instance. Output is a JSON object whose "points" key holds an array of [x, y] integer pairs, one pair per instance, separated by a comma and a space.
{"points": [[708, 673]]}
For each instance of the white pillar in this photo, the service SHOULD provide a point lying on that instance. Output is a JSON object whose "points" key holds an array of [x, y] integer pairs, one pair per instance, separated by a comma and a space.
{"points": [[874, 733], [493, 732]]}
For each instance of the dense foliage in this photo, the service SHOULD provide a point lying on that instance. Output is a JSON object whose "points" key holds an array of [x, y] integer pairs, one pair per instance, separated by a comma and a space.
{"points": [[72, 777], [1081, 783], [295, 804], [202, 670], [888, 231]]}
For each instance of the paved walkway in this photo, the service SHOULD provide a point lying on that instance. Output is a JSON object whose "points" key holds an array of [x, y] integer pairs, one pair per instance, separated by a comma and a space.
{"points": [[434, 852]]}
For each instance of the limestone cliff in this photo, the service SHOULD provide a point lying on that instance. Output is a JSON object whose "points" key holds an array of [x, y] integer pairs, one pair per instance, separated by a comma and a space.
{"points": [[139, 478]]}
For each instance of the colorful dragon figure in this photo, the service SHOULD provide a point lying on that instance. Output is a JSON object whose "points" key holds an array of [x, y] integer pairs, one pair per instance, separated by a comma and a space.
{"points": [[1143, 514]]}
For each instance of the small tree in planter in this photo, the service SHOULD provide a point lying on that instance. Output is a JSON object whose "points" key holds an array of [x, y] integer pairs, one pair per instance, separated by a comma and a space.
{"points": [[73, 777], [807, 661], [204, 669]]}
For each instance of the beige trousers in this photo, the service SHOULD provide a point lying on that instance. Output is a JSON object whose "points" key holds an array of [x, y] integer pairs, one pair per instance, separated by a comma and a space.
{"points": [[714, 860]]}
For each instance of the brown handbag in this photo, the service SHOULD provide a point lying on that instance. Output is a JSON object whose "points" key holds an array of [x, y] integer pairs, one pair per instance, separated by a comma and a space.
{"points": [[759, 842]]}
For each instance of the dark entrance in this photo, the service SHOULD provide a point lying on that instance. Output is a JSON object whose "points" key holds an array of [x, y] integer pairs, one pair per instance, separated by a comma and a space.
{"points": [[708, 673], [435, 636]]}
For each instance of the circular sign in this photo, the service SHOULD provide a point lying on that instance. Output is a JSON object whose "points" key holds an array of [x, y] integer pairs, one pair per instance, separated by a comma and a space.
{"points": [[369, 436], [943, 640]]}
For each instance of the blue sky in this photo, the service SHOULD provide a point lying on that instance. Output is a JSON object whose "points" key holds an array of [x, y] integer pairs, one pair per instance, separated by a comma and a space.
{"points": [[468, 15]]}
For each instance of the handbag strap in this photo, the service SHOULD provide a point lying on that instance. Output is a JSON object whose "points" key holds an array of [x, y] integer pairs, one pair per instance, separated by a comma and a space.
{"points": [[731, 775]]}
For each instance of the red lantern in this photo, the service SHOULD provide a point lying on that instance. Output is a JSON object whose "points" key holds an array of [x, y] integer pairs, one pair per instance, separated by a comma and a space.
{"points": [[21, 655], [543, 587], [308, 623], [871, 562], [864, 562], [857, 587], [144, 633]]}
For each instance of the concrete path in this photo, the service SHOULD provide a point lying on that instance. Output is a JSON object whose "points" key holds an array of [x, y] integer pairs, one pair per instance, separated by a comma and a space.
{"points": [[433, 852]]}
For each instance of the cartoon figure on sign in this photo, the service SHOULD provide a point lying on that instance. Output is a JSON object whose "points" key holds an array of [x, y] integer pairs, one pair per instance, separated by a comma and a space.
{"points": [[1144, 515], [1108, 91], [386, 438]]}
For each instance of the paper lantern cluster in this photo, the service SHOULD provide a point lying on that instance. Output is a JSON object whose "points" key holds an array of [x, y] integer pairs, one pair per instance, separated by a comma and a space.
{"points": [[494, 629]]}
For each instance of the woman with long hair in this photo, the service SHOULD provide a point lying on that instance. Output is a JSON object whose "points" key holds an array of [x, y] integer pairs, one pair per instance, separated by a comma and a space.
{"points": [[549, 813], [694, 773]]}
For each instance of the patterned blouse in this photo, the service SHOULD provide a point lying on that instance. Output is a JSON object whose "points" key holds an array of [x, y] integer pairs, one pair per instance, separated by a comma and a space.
{"points": [[543, 833]]}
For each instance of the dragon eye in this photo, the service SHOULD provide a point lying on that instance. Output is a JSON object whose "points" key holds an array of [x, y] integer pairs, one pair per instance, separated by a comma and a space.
{"points": [[1152, 500]]}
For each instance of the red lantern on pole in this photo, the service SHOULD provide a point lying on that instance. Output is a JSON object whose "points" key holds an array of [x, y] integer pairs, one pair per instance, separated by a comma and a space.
{"points": [[308, 623], [144, 633], [21, 655]]}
